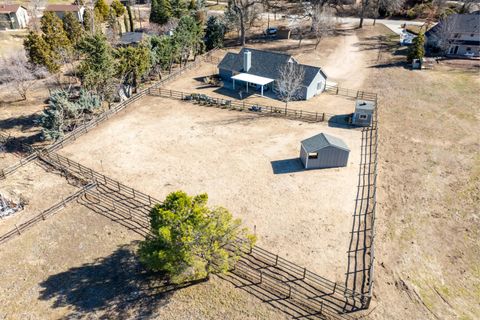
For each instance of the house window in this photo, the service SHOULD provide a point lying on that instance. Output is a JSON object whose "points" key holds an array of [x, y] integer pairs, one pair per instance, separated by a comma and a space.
{"points": [[363, 117], [313, 155], [472, 35], [319, 86], [469, 49]]}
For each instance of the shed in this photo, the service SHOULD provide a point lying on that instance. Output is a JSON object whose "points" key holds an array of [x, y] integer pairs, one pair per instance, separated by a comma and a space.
{"points": [[324, 151], [363, 113]]}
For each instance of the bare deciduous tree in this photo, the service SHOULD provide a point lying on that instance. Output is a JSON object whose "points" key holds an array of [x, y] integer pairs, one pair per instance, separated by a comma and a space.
{"points": [[324, 23], [35, 12], [247, 11], [20, 74], [443, 33], [289, 84], [390, 6]]}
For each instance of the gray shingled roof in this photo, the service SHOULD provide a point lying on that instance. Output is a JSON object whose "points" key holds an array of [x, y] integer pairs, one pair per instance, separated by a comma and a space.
{"points": [[132, 37], [265, 64], [462, 23], [323, 140]]}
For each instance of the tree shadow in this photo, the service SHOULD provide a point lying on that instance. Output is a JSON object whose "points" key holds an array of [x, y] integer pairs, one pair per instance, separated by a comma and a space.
{"points": [[24, 122], [114, 287], [287, 166]]}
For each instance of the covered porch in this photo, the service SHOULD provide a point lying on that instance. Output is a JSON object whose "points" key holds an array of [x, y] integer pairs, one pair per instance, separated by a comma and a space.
{"points": [[250, 78]]}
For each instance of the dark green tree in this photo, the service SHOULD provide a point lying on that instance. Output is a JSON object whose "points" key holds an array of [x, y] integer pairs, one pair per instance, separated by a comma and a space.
{"points": [[191, 241], [130, 18], [192, 5], [163, 53], [417, 49], [179, 8], [39, 52], [161, 11], [133, 62], [118, 7], [188, 36], [55, 36], [102, 9], [215, 33], [87, 20], [97, 69], [73, 28]]}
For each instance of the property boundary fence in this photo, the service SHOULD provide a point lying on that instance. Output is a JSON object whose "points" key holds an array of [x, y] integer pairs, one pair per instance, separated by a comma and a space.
{"points": [[315, 295], [208, 101], [361, 254], [44, 214], [351, 93]]}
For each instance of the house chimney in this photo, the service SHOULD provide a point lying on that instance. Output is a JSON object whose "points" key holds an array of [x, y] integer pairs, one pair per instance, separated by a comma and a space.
{"points": [[247, 60]]}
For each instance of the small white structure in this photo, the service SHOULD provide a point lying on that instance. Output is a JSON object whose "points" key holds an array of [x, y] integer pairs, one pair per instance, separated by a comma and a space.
{"points": [[363, 113], [13, 16], [324, 151]]}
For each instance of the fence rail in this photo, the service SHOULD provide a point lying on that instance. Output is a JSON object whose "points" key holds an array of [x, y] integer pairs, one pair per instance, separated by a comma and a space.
{"points": [[205, 100], [328, 294], [43, 215], [351, 93]]}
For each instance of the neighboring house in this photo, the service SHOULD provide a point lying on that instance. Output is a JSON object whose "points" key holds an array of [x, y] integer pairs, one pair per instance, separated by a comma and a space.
{"points": [[261, 69], [61, 9], [131, 38], [456, 35], [324, 151], [13, 16]]}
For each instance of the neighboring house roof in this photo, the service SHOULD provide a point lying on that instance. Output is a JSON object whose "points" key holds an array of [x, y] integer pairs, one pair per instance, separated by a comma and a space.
{"points": [[321, 141], [266, 64], [9, 8], [63, 8], [131, 37], [461, 23]]}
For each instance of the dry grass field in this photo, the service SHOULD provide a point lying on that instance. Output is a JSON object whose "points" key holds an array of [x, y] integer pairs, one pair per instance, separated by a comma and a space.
{"points": [[247, 163]]}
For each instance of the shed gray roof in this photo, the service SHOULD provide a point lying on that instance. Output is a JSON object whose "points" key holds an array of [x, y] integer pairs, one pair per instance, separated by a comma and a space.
{"points": [[266, 64], [323, 140], [131, 37], [365, 105], [462, 23]]}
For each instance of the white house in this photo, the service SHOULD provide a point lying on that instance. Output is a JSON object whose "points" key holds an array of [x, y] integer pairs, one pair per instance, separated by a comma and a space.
{"points": [[13, 16]]}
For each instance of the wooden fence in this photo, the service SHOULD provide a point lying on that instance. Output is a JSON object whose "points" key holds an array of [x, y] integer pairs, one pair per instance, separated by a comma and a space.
{"points": [[270, 111], [304, 287], [43, 215], [351, 93]]}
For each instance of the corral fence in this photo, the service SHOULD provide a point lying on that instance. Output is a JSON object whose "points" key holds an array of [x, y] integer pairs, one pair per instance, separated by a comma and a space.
{"points": [[8, 142], [18, 230], [351, 93], [87, 126], [305, 288], [263, 110]]}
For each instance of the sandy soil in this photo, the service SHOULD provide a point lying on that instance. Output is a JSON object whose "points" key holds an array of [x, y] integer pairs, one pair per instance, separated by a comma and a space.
{"points": [[39, 188], [79, 264], [246, 163]]}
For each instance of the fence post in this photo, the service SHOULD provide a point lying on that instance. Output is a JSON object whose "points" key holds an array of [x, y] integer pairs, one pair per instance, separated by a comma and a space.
{"points": [[170, 93], [304, 272], [323, 117], [276, 260], [337, 90], [150, 200], [316, 116], [17, 230]]}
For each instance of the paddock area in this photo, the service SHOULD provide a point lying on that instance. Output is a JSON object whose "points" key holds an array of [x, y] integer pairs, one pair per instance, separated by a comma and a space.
{"points": [[245, 162]]}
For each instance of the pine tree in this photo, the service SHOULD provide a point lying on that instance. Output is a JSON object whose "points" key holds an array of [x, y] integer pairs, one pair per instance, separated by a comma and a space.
{"points": [[87, 20], [179, 8], [97, 70], [54, 34], [73, 28], [417, 49], [161, 11], [118, 7], [39, 52], [215, 33], [102, 9], [133, 62]]}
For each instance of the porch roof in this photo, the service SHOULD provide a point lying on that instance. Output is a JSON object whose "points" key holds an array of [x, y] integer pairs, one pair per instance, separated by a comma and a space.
{"points": [[252, 79]]}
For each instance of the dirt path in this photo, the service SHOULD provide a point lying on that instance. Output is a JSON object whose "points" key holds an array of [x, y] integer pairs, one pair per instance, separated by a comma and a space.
{"points": [[346, 65]]}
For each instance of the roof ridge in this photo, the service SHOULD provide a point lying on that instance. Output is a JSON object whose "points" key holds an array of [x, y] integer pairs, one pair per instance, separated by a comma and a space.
{"points": [[269, 51]]}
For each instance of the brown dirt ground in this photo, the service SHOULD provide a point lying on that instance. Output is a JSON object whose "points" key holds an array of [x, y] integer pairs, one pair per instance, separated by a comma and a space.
{"points": [[79, 264], [159, 146]]}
